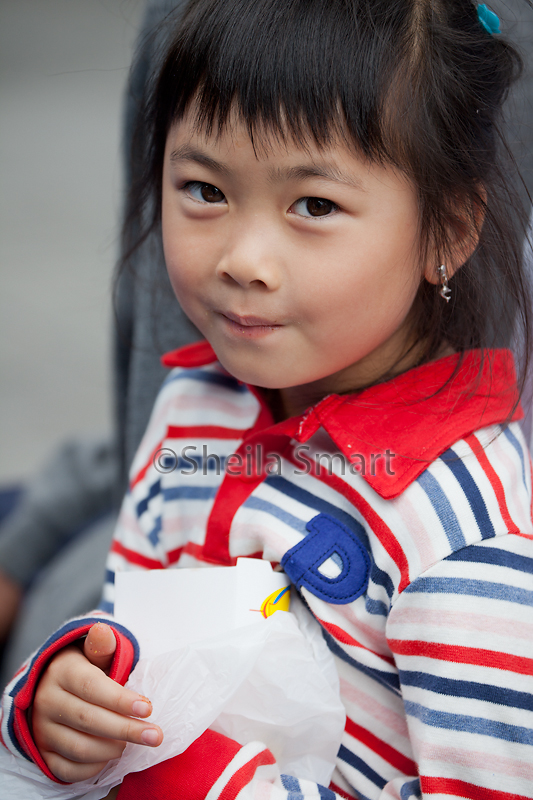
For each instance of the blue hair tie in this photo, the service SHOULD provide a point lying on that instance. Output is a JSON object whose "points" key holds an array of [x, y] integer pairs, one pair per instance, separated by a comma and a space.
{"points": [[488, 19]]}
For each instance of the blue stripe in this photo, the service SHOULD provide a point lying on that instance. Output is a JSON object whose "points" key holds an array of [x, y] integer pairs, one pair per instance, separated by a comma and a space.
{"points": [[213, 378], [289, 489], [189, 493], [494, 556], [411, 789], [109, 576], [153, 492], [477, 691], [471, 491], [360, 765], [377, 607], [263, 505], [106, 605], [293, 787], [516, 444], [468, 586], [389, 680], [466, 724], [361, 796], [295, 790], [156, 530], [443, 509]]}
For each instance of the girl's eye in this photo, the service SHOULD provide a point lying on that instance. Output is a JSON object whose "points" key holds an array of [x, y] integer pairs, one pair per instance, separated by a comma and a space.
{"points": [[204, 192], [314, 207]]}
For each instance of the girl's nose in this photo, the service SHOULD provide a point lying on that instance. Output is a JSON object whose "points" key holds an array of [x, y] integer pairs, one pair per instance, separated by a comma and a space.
{"points": [[251, 262]]}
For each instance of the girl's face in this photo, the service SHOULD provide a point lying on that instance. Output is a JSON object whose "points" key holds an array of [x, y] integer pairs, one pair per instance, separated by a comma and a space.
{"points": [[299, 266]]}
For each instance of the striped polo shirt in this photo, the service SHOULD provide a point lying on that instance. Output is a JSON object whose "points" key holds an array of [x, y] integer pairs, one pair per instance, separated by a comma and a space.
{"points": [[403, 515]]}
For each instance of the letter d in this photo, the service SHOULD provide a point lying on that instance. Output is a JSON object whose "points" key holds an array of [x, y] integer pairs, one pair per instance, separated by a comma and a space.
{"points": [[328, 537]]}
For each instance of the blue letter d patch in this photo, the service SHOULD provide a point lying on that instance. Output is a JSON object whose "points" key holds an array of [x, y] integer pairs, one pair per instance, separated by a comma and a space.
{"points": [[329, 538]]}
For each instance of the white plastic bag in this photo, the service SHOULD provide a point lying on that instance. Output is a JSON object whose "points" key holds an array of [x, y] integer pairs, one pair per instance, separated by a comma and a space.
{"points": [[273, 681], [291, 702]]}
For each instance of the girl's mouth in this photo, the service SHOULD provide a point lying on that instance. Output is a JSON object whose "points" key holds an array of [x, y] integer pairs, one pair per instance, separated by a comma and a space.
{"points": [[248, 326]]}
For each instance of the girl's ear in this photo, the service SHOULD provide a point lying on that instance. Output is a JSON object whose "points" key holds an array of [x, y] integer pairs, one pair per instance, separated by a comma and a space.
{"points": [[464, 229]]}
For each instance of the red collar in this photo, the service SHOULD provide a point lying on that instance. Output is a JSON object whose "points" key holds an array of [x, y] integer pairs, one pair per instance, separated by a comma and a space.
{"points": [[402, 415]]}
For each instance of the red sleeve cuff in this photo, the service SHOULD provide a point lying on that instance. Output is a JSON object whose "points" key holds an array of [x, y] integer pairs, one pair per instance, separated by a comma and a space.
{"points": [[192, 774], [125, 658]]}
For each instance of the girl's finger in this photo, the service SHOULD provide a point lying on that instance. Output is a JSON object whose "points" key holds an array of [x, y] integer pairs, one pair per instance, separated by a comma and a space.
{"points": [[101, 722], [70, 771], [72, 673], [100, 645], [81, 747]]}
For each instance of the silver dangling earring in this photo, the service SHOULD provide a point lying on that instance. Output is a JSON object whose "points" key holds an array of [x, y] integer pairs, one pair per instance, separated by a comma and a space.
{"points": [[445, 290]]}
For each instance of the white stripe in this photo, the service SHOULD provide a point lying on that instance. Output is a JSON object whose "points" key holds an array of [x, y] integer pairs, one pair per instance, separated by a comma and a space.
{"points": [[244, 755]]}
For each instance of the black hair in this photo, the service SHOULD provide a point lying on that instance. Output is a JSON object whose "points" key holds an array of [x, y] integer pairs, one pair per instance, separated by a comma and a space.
{"points": [[416, 84]]}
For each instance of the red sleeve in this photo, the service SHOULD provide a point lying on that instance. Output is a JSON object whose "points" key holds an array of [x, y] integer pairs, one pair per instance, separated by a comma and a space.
{"points": [[191, 775], [19, 693]]}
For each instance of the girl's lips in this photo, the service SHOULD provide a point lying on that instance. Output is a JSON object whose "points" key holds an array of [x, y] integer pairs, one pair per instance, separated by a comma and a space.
{"points": [[249, 321], [248, 326]]}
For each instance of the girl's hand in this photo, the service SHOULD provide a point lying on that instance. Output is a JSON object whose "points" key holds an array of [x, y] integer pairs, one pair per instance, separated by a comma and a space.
{"points": [[81, 717]]}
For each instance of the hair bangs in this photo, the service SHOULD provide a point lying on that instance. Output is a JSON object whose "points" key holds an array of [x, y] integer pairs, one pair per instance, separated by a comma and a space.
{"points": [[304, 70]]}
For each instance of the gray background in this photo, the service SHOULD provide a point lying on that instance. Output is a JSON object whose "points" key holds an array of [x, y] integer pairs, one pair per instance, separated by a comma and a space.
{"points": [[63, 67]]}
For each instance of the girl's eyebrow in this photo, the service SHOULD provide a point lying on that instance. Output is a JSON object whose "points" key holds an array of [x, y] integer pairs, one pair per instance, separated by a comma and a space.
{"points": [[186, 152], [327, 171], [189, 153]]}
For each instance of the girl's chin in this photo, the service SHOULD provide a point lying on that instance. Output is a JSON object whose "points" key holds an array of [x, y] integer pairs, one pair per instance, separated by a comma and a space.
{"points": [[250, 374]]}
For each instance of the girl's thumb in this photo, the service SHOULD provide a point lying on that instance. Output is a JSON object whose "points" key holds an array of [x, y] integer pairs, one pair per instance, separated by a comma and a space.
{"points": [[100, 645]]}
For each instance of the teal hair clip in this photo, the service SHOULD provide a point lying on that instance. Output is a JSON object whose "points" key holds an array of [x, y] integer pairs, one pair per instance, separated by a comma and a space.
{"points": [[488, 19]]}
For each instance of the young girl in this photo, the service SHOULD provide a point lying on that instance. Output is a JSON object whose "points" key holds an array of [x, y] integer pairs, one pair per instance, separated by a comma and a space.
{"points": [[336, 224]]}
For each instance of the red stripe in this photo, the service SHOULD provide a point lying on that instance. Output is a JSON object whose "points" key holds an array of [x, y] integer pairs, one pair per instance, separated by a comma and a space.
{"points": [[136, 558], [340, 792], [142, 472], [195, 550], [459, 654], [495, 482], [384, 750], [174, 555], [458, 788], [235, 489], [382, 531], [244, 775], [345, 638], [231, 495], [207, 431]]}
